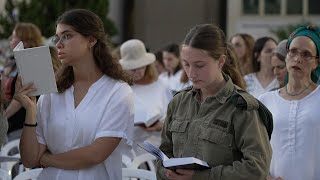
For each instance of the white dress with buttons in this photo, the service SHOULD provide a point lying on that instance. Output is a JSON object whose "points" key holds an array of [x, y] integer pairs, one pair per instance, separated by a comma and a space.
{"points": [[296, 134], [105, 111]]}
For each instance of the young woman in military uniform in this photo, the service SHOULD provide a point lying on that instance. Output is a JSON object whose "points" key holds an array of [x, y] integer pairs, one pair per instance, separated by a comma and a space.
{"points": [[214, 120]]}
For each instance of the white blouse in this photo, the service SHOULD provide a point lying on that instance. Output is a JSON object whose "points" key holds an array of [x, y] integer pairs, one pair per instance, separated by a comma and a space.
{"points": [[296, 134], [155, 96], [172, 81], [254, 86], [105, 111]]}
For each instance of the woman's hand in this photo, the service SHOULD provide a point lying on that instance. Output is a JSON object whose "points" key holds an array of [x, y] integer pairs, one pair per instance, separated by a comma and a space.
{"points": [[180, 174], [21, 95], [155, 127]]}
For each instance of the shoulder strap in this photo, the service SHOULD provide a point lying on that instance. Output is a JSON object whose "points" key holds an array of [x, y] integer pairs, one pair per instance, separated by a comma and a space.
{"points": [[182, 90], [245, 101]]}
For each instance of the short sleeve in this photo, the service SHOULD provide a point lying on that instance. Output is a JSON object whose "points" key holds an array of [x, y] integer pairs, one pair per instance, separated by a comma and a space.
{"points": [[118, 118], [41, 108]]}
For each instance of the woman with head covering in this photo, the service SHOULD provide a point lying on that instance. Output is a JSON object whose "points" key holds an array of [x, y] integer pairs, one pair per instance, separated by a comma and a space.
{"points": [[278, 62], [295, 138], [151, 96]]}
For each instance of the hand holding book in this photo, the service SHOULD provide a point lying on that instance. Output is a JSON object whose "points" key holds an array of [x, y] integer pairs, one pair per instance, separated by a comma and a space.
{"points": [[145, 116], [175, 163], [35, 66]]}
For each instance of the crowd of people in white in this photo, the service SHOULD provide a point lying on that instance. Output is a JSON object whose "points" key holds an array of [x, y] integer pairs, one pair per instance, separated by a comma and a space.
{"points": [[87, 129]]}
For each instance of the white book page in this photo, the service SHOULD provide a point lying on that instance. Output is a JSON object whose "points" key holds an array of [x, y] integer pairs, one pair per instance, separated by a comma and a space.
{"points": [[35, 66], [154, 151]]}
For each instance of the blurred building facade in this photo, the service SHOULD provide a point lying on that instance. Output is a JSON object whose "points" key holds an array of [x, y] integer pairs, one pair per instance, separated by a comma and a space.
{"points": [[159, 22], [257, 17]]}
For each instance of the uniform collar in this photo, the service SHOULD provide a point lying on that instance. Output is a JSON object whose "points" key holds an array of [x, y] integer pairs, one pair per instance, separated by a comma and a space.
{"points": [[222, 95]]}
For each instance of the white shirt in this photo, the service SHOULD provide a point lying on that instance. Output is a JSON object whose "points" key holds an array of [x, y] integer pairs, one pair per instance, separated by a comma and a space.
{"points": [[172, 81], [254, 86], [155, 96], [296, 134], [105, 111]]}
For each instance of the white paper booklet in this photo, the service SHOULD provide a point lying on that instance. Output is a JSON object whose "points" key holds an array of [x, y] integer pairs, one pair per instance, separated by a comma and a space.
{"points": [[175, 163], [143, 115], [35, 65]]}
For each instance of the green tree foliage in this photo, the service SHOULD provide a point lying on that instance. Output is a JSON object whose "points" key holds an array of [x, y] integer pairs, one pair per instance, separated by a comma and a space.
{"points": [[284, 32], [44, 14]]}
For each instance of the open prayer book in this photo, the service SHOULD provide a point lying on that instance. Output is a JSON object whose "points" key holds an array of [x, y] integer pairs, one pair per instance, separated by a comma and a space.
{"points": [[143, 115], [175, 163], [35, 66]]}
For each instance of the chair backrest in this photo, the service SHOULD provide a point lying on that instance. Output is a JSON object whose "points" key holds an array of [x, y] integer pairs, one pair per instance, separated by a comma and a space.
{"points": [[8, 162], [126, 161], [11, 149], [30, 174], [143, 158], [128, 173], [4, 175], [5, 150]]}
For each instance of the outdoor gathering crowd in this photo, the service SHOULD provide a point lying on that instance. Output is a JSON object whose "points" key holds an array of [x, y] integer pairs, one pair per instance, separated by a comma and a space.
{"points": [[247, 107]]}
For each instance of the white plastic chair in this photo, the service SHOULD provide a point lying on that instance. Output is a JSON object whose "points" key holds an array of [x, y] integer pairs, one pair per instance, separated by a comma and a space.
{"points": [[30, 174], [128, 173], [4, 175], [6, 148], [127, 158], [143, 158], [126, 161], [8, 162]]}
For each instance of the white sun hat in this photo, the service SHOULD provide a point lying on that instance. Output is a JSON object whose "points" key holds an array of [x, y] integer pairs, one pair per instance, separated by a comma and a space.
{"points": [[134, 55]]}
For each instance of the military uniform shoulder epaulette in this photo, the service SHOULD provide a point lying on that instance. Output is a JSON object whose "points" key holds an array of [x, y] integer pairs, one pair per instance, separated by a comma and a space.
{"points": [[244, 100], [183, 90]]}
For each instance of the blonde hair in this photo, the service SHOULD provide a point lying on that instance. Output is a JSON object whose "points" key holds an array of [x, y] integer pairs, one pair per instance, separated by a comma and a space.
{"points": [[150, 74], [29, 34]]}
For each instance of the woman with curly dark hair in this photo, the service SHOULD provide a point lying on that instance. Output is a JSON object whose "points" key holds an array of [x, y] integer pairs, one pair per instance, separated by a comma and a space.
{"points": [[75, 133]]}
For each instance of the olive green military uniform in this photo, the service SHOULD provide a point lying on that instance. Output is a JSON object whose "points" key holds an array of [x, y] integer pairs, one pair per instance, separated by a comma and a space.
{"points": [[233, 141], [3, 128]]}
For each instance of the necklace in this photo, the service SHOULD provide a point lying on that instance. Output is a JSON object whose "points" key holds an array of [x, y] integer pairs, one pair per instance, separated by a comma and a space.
{"points": [[291, 94]]}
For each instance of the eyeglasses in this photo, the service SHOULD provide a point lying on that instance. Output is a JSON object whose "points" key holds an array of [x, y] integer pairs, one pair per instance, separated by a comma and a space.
{"points": [[61, 39], [306, 55]]}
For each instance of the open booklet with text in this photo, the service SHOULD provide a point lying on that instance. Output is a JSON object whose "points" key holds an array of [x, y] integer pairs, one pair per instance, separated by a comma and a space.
{"points": [[144, 115], [175, 163]]}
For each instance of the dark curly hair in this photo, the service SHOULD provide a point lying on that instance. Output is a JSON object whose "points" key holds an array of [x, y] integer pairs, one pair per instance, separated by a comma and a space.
{"points": [[88, 24]]}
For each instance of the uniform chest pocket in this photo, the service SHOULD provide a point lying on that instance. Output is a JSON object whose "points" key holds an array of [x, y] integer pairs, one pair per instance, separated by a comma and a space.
{"points": [[215, 146], [179, 126], [179, 135], [213, 135]]}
